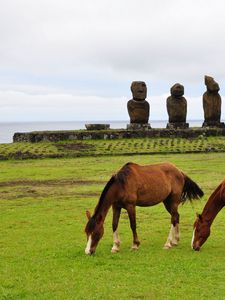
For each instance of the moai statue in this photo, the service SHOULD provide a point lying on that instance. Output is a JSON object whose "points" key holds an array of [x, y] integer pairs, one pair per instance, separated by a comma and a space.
{"points": [[212, 104], [177, 108], [138, 108]]}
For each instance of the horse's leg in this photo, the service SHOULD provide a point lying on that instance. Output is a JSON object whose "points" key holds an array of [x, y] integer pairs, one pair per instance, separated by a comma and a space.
{"points": [[116, 217], [132, 217], [174, 235]]}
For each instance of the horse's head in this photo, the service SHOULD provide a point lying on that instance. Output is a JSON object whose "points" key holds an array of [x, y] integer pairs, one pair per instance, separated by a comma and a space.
{"points": [[94, 231], [201, 233]]}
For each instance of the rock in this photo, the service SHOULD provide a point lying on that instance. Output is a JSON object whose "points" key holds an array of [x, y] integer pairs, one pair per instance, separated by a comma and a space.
{"points": [[138, 108], [212, 104], [97, 126], [177, 107]]}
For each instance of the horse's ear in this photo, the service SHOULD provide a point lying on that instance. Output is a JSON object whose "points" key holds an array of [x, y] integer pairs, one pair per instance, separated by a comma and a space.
{"points": [[88, 214]]}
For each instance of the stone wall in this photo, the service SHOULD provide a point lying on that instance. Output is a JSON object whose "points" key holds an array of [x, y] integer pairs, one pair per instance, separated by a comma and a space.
{"points": [[55, 136]]}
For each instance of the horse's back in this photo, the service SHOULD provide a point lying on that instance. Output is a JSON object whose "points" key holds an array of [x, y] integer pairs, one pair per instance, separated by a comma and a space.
{"points": [[150, 184], [166, 169], [135, 170]]}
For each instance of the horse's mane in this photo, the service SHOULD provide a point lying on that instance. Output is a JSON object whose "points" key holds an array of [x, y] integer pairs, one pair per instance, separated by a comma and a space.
{"points": [[120, 177], [102, 197], [123, 173], [92, 221]]}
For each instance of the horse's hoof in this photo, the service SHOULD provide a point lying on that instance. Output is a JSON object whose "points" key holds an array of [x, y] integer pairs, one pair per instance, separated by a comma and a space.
{"points": [[167, 246], [174, 243], [115, 250], [134, 247]]}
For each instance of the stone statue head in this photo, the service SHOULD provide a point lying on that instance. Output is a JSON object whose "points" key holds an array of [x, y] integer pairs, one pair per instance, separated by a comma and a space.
{"points": [[177, 90], [139, 90], [211, 84]]}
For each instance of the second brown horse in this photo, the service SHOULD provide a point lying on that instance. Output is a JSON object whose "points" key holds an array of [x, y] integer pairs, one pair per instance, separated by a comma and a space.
{"points": [[134, 185], [204, 221]]}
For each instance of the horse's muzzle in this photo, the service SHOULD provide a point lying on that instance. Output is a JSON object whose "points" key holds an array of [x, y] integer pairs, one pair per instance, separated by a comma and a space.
{"points": [[196, 248], [89, 252]]}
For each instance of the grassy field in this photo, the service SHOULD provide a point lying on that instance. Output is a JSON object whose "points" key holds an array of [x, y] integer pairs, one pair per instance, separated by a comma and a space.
{"points": [[42, 241], [112, 147]]}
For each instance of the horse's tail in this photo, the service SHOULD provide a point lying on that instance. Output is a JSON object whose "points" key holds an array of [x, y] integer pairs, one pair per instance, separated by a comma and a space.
{"points": [[190, 190]]}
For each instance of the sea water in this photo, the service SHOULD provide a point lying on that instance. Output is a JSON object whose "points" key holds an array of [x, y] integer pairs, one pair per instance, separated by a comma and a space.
{"points": [[7, 130]]}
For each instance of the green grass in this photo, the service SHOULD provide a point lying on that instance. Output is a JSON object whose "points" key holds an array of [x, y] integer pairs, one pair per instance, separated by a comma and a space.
{"points": [[112, 147], [42, 241]]}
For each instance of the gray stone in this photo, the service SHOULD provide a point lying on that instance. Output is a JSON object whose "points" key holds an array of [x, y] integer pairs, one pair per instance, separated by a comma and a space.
{"points": [[55, 136], [97, 126], [177, 125], [137, 126]]}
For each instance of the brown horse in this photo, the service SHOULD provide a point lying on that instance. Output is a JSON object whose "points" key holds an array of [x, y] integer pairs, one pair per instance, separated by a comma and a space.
{"points": [[204, 221], [134, 185]]}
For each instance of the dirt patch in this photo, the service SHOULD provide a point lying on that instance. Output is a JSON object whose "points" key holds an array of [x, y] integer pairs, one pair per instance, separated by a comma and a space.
{"points": [[83, 195], [50, 182]]}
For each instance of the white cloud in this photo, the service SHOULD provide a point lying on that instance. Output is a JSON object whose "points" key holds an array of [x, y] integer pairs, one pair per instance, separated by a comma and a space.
{"points": [[40, 104], [68, 52], [18, 105]]}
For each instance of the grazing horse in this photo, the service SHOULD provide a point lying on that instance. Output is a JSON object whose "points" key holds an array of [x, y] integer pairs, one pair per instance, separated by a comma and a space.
{"points": [[134, 185], [204, 221]]}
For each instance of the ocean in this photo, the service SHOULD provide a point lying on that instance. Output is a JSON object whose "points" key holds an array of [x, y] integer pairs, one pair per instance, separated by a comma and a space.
{"points": [[7, 130]]}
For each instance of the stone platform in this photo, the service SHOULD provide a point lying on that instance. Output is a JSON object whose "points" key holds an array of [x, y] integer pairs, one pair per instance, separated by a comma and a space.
{"points": [[56, 136]]}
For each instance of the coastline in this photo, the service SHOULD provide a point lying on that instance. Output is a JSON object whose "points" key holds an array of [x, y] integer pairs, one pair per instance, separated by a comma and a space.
{"points": [[7, 129]]}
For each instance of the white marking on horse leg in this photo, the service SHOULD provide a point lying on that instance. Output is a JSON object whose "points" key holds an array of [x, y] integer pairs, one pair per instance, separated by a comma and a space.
{"points": [[169, 243], [175, 234], [116, 242], [192, 240], [88, 247], [134, 247]]}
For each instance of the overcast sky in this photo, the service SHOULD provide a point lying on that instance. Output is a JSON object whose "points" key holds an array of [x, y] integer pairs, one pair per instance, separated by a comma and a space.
{"points": [[75, 60]]}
